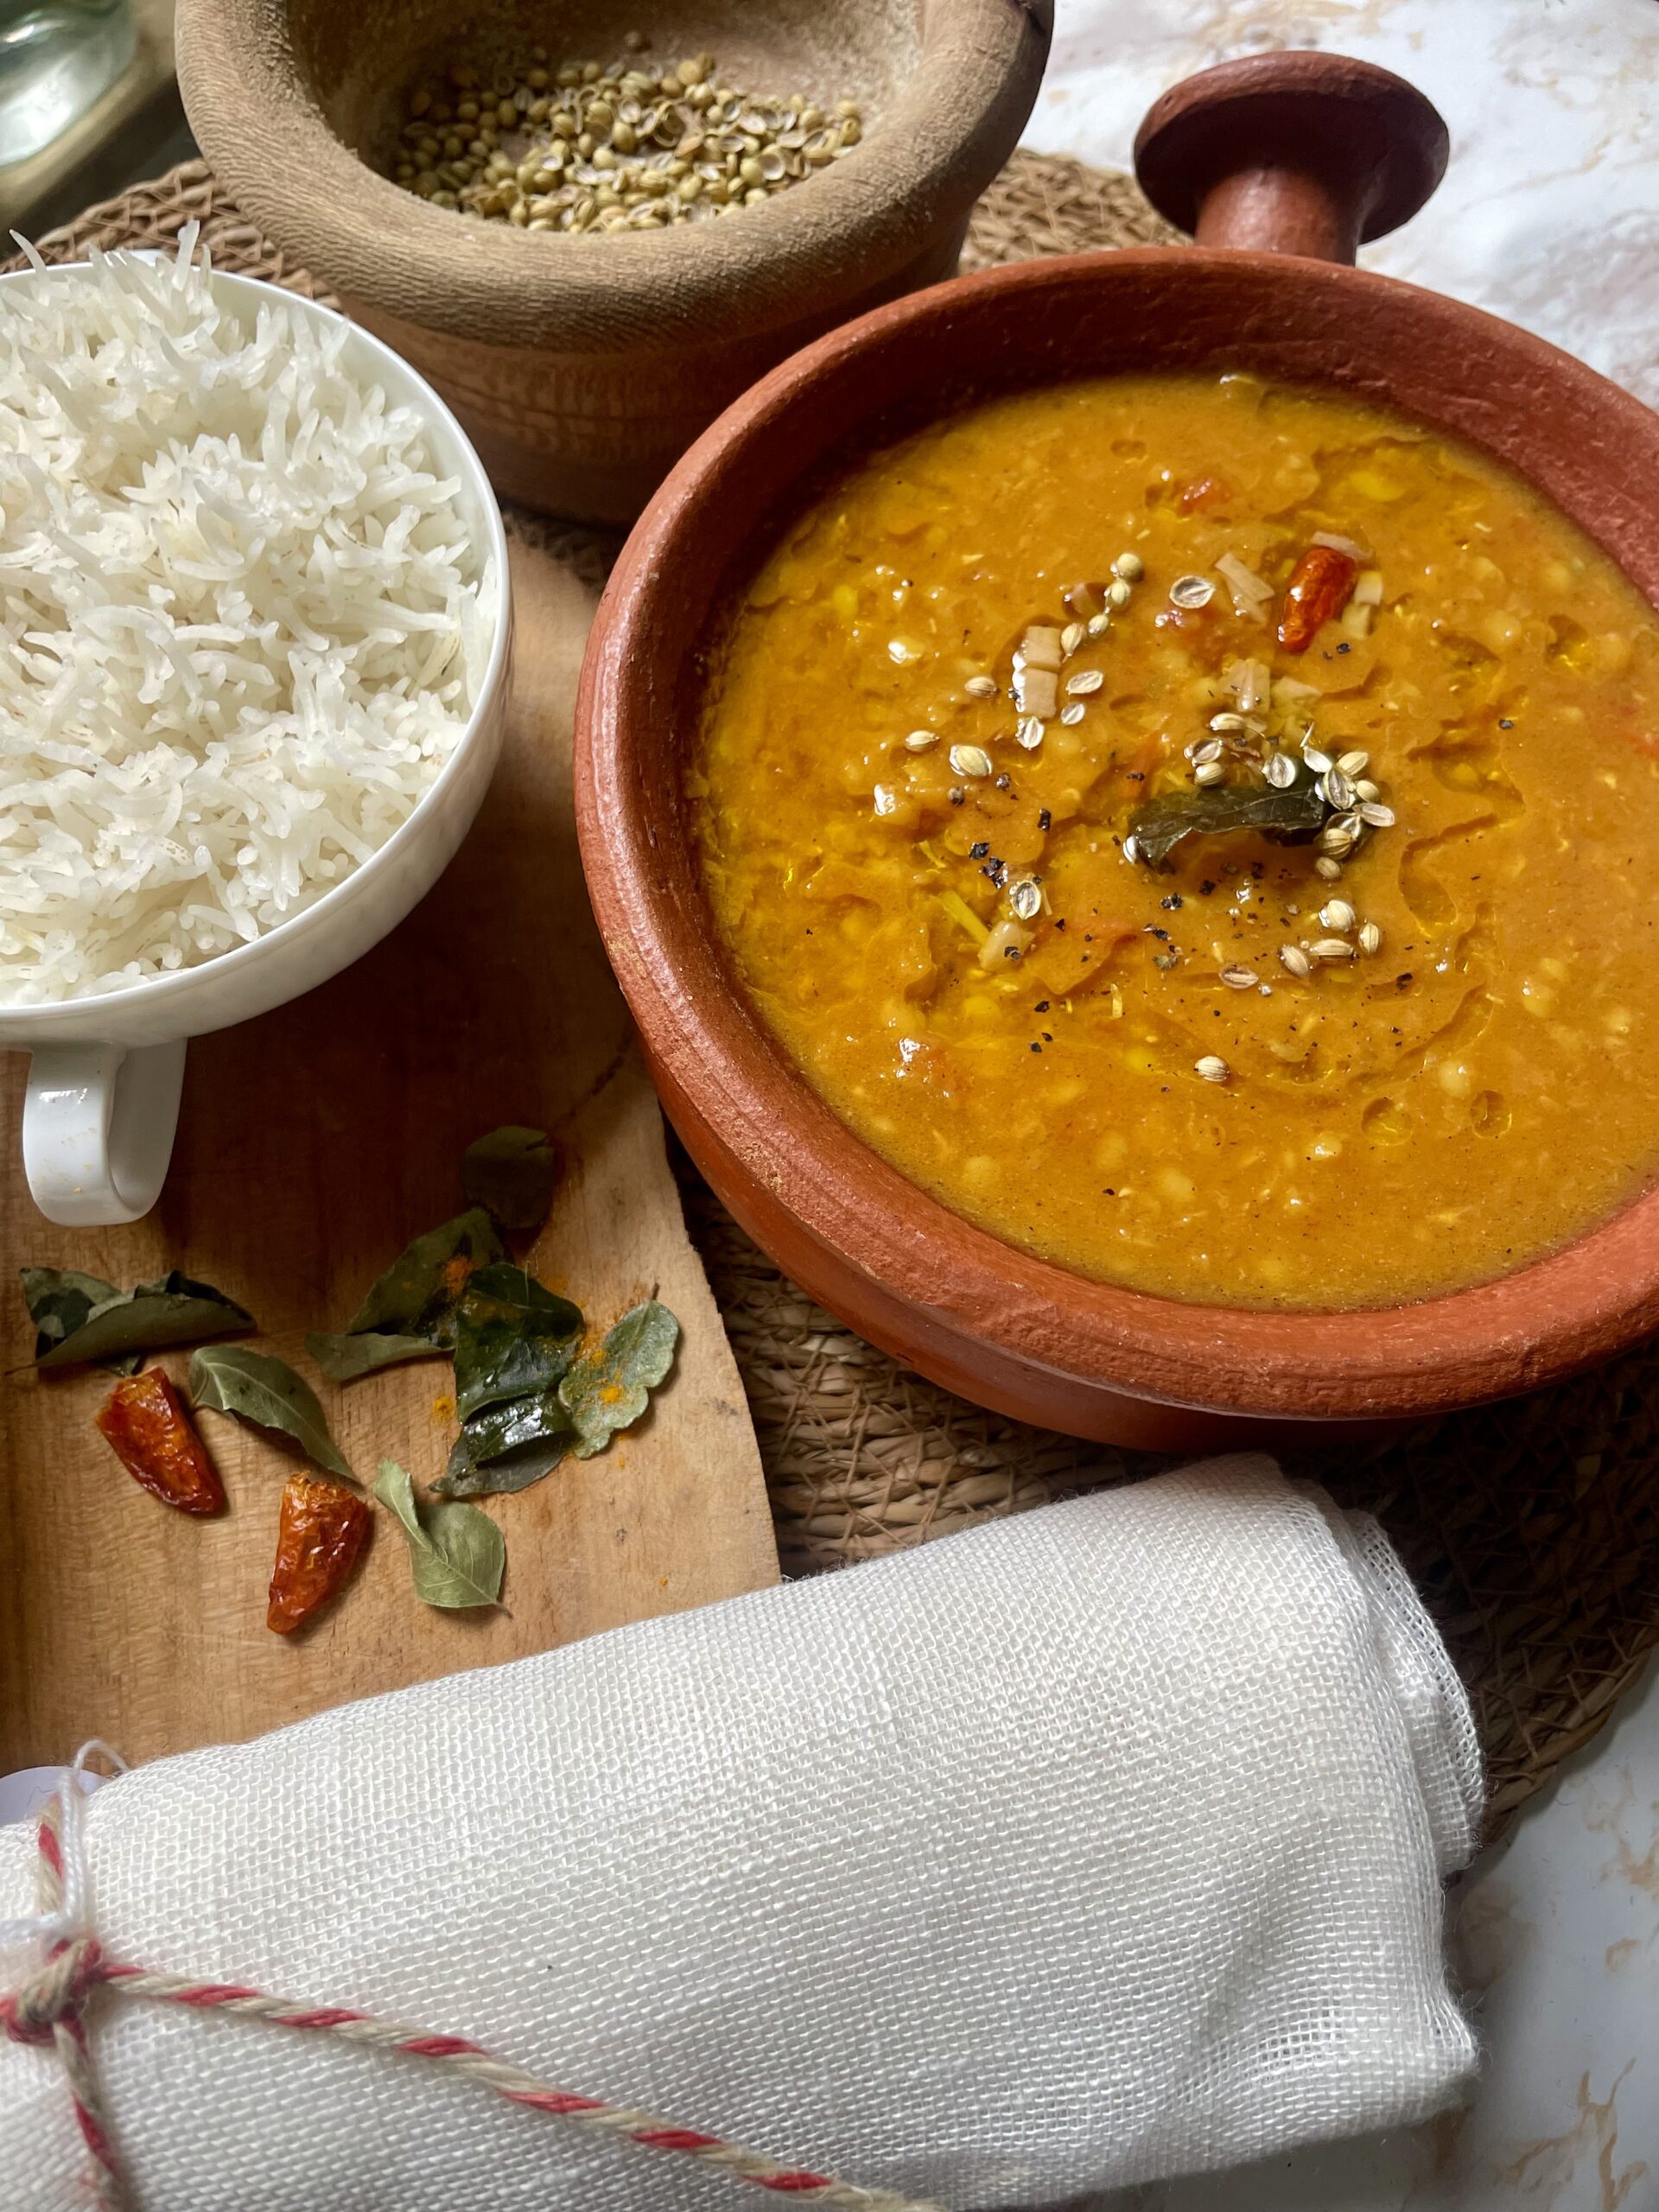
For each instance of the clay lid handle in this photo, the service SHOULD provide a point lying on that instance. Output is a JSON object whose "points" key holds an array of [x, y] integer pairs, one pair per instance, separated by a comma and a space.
{"points": [[1291, 153]]}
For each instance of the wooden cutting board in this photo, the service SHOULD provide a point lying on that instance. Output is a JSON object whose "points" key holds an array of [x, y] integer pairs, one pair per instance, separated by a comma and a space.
{"points": [[312, 1145]]}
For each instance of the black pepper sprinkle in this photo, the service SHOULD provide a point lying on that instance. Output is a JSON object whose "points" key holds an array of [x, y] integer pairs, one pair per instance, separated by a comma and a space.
{"points": [[978, 852], [1036, 1048], [1504, 722], [1173, 904], [1400, 981], [1344, 649], [957, 794], [1004, 784], [1205, 888], [1048, 1036], [1042, 1007], [1045, 819], [1153, 929], [1060, 924], [1136, 775]]}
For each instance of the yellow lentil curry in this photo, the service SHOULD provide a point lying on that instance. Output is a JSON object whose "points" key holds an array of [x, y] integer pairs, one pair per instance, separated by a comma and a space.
{"points": [[1207, 833]]}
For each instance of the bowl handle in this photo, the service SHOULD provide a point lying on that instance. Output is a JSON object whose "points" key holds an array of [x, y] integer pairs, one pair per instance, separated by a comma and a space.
{"points": [[1291, 153], [98, 1129]]}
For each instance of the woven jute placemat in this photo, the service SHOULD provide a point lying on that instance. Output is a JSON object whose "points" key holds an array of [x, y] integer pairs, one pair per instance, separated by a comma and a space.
{"points": [[1532, 1528]]}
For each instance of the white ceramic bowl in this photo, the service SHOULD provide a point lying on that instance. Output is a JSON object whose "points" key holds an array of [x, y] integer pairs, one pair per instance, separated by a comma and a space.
{"points": [[103, 1097]]}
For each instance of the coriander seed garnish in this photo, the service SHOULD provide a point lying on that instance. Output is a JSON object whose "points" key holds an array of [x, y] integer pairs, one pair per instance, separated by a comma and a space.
{"points": [[971, 760], [1192, 592], [981, 687], [1086, 680], [1213, 1068]]}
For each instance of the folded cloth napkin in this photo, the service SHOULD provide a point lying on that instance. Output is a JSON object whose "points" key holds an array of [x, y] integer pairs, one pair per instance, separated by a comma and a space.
{"points": [[1093, 1846]]}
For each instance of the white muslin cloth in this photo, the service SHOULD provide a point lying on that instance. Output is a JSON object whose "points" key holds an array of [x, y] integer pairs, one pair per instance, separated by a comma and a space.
{"points": [[1096, 1845]]}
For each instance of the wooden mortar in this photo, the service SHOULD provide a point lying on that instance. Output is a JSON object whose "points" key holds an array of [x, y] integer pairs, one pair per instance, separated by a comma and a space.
{"points": [[582, 367], [1304, 150]]}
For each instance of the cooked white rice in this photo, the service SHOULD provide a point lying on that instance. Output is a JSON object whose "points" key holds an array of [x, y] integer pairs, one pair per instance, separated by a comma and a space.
{"points": [[242, 622]]}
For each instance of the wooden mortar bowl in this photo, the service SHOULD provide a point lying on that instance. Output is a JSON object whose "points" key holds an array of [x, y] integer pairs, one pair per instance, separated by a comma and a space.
{"points": [[582, 367], [1293, 150]]}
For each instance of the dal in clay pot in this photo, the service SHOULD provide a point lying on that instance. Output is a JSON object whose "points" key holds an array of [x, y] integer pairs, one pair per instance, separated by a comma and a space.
{"points": [[1329, 404]]}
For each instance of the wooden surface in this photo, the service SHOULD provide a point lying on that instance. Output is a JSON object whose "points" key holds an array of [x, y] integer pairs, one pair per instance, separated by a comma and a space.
{"points": [[313, 1144]]}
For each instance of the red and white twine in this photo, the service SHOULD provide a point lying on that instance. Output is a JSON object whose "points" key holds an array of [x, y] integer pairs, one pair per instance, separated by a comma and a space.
{"points": [[50, 2010]]}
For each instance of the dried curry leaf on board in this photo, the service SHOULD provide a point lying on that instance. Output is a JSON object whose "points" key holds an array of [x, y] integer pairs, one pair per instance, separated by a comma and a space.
{"points": [[255, 1387], [610, 1387], [507, 1447], [512, 1173], [173, 1310], [1220, 808], [416, 1296], [59, 1300], [343, 1359], [513, 1336], [456, 1554]]}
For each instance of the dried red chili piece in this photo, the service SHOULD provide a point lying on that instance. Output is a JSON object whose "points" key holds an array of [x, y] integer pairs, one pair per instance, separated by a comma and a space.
{"points": [[320, 1533], [1319, 586], [147, 1426], [1205, 492]]}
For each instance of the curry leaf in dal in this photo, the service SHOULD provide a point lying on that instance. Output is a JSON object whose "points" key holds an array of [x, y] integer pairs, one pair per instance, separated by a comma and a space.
{"points": [[610, 1387], [1220, 808]]}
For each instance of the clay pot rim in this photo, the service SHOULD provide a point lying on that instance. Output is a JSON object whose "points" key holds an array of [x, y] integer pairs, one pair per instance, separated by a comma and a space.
{"points": [[948, 132], [1551, 1317]]}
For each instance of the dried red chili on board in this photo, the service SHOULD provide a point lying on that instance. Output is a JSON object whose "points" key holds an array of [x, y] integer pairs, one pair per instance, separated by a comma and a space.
{"points": [[147, 1426], [320, 1534], [1320, 586]]}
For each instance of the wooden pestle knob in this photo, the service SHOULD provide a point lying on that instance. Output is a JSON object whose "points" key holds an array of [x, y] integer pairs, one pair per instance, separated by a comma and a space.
{"points": [[1303, 153]]}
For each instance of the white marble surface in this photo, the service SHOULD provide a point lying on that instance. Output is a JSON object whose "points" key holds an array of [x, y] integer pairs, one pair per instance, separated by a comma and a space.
{"points": [[1549, 214]]}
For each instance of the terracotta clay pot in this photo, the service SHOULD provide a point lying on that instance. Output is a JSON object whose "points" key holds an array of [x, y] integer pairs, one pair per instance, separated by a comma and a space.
{"points": [[1303, 150], [582, 367]]}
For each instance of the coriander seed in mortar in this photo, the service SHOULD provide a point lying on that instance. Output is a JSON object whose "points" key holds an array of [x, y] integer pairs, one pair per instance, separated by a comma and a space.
{"points": [[577, 146]]}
